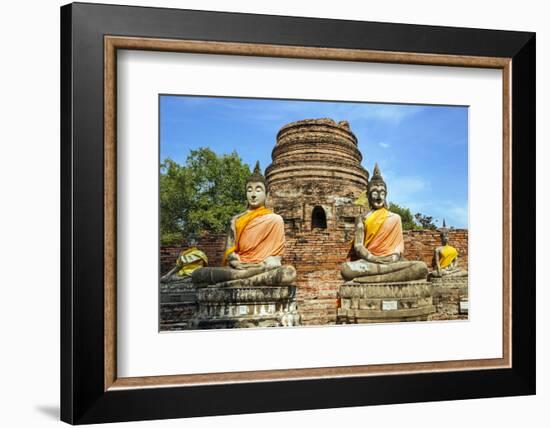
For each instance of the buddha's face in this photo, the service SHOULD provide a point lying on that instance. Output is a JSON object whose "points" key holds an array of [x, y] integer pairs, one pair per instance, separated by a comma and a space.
{"points": [[444, 238], [377, 196], [255, 194]]}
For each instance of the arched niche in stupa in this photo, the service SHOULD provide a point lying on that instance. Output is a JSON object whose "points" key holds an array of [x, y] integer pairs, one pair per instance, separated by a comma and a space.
{"points": [[318, 218]]}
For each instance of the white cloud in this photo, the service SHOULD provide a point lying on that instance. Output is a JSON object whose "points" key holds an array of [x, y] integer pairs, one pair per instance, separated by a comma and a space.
{"points": [[392, 113], [407, 187], [383, 145], [454, 213], [278, 114]]}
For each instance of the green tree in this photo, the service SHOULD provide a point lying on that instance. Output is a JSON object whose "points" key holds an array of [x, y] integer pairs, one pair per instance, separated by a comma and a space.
{"points": [[201, 195], [407, 219], [426, 221]]}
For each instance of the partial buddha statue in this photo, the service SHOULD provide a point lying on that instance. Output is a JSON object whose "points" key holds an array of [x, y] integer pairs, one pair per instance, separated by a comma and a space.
{"points": [[446, 257], [187, 262], [254, 246], [378, 243]]}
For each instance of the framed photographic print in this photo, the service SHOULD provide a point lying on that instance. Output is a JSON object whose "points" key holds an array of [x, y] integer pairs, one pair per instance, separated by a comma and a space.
{"points": [[265, 213]]}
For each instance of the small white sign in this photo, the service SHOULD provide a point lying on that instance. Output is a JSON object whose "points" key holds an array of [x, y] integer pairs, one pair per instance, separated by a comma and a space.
{"points": [[243, 310], [389, 305], [463, 306]]}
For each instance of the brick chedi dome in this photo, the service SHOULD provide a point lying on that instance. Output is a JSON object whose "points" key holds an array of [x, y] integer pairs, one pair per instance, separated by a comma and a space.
{"points": [[316, 174], [315, 177]]}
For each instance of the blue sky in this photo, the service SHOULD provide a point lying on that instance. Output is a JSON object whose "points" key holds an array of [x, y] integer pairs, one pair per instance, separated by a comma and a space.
{"points": [[422, 150]]}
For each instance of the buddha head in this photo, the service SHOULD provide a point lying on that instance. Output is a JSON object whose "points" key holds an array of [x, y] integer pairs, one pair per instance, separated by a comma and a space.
{"points": [[377, 190], [256, 188]]}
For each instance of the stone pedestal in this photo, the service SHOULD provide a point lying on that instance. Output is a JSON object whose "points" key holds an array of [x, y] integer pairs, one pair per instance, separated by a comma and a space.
{"points": [[385, 302], [241, 307], [178, 304], [450, 295]]}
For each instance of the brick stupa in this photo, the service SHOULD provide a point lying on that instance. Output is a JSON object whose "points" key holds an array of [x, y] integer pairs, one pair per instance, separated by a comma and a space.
{"points": [[314, 179]]}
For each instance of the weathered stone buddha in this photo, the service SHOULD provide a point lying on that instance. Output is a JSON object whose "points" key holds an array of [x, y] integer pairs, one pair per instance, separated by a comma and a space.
{"points": [[187, 262], [446, 258], [378, 243], [178, 300], [254, 246]]}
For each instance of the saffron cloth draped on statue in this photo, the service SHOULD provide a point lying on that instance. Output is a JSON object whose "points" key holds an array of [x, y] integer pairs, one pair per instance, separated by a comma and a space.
{"points": [[259, 234], [383, 233], [447, 255], [190, 260]]}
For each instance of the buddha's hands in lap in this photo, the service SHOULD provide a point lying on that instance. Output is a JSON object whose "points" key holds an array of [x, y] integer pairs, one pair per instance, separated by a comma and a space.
{"points": [[365, 254], [383, 259], [235, 262], [271, 262], [238, 265]]}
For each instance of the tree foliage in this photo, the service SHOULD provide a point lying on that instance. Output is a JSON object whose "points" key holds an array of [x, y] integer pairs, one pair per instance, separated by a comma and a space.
{"points": [[201, 195], [425, 221], [407, 219]]}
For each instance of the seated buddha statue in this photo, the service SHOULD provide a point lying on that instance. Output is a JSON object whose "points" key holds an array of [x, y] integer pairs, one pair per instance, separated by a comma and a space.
{"points": [[254, 246], [446, 258], [378, 243], [187, 262]]}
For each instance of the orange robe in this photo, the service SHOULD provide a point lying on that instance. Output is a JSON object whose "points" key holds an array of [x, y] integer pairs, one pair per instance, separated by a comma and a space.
{"points": [[388, 239], [261, 236]]}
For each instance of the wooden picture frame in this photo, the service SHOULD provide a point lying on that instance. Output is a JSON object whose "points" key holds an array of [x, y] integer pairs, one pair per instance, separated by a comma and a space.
{"points": [[90, 389]]}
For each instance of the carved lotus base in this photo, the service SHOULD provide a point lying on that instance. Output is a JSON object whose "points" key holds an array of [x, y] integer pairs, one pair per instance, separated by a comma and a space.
{"points": [[237, 307], [385, 302]]}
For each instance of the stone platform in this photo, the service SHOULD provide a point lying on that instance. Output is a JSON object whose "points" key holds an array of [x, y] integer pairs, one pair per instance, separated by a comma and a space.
{"points": [[450, 296], [385, 302], [178, 304], [241, 307]]}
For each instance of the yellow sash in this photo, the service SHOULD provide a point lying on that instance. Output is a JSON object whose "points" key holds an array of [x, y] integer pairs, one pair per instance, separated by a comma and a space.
{"points": [[446, 255], [240, 225], [373, 223], [190, 260]]}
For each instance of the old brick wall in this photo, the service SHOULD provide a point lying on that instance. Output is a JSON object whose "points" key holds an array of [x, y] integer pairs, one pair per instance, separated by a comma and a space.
{"points": [[213, 246], [420, 245], [317, 256]]}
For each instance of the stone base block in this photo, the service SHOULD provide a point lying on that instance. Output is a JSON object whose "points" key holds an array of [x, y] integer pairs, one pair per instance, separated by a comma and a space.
{"points": [[238, 307], [178, 304], [449, 281], [450, 295], [385, 302]]}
